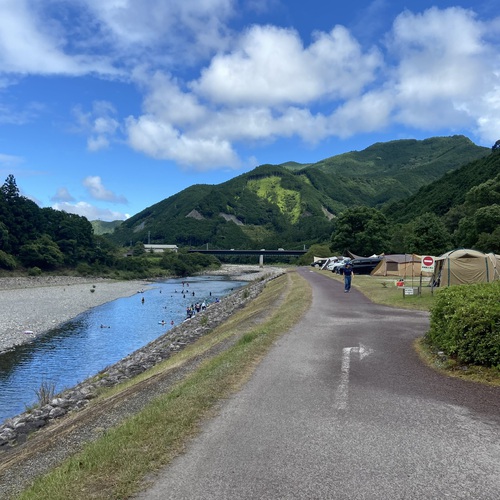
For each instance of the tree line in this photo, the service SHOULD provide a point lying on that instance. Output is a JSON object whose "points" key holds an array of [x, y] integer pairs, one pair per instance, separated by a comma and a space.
{"points": [[36, 240]]}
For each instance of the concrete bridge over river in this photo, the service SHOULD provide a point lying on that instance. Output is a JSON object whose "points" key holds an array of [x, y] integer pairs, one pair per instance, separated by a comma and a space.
{"points": [[260, 253]]}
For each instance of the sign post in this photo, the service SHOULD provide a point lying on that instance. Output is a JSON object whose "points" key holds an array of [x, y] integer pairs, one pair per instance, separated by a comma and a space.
{"points": [[427, 263]]}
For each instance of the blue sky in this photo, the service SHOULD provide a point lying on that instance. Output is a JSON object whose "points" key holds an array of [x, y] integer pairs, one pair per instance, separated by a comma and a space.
{"points": [[110, 106]]}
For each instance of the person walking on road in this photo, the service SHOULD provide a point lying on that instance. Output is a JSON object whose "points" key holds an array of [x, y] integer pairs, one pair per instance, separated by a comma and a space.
{"points": [[347, 277]]}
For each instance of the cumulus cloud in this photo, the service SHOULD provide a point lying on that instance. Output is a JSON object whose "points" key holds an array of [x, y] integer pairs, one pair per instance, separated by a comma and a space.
{"points": [[163, 29], [100, 124], [208, 90], [62, 195], [29, 44], [257, 92], [270, 66], [91, 212], [435, 70], [444, 64], [162, 141], [96, 190]]}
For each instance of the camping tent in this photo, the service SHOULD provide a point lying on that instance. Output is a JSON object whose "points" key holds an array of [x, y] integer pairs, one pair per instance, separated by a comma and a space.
{"points": [[465, 266], [402, 265]]}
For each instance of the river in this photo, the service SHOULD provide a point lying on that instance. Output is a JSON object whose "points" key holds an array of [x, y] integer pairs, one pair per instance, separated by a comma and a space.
{"points": [[100, 337]]}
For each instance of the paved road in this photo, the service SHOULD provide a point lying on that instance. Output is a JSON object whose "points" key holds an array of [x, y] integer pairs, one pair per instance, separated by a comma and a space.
{"points": [[342, 408]]}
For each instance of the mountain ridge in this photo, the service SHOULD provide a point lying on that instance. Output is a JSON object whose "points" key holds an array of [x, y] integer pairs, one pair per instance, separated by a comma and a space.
{"points": [[296, 204]]}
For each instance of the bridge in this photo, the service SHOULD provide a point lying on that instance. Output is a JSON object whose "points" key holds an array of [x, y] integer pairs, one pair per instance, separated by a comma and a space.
{"points": [[260, 252]]}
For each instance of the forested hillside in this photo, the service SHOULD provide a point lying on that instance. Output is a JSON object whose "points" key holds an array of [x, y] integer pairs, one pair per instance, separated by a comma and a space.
{"points": [[335, 203], [35, 240], [293, 205], [42, 238], [466, 202]]}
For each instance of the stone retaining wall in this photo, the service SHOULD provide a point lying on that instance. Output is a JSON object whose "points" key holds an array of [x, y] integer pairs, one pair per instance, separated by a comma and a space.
{"points": [[16, 430]]}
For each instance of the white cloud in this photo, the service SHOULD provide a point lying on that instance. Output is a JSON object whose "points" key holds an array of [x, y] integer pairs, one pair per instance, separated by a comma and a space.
{"points": [[270, 66], [96, 189], [446, 69], [162, 141], [256, 93], [168, 102], [91, 212], [100, 124], [10, 160], [161, 30], [435, 70], [31, 45], [62, 194], [370, 113]]}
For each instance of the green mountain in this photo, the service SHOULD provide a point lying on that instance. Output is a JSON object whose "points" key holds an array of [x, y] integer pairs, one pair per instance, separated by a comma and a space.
{"points": [[104, 227], [446, 193], [292, 205], [393, 170]]}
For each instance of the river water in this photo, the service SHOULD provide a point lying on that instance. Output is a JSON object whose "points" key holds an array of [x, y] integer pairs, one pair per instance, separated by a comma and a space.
{"points": [[100, 337]]}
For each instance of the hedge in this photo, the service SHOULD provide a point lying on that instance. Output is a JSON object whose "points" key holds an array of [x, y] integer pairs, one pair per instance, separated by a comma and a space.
{"points": [[465, 323]]}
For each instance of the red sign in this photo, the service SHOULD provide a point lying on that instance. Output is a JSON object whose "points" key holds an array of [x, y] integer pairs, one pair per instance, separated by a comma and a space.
{"points": [[428, 261]]}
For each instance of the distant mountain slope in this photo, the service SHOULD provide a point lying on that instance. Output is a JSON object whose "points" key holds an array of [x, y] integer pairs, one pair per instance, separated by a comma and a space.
{"points": [[293, 204], [104, 227], [447, 192], [393, 170]]}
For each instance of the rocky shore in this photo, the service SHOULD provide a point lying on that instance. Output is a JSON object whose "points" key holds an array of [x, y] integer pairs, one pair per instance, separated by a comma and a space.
{"points": [[34, 305]]}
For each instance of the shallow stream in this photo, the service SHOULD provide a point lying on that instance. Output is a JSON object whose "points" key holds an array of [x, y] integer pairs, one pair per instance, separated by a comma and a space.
{"points": [[100, 337]]}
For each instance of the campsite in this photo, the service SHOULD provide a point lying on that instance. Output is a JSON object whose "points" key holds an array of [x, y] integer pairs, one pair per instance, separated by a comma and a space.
{"points": [[409, 273]]}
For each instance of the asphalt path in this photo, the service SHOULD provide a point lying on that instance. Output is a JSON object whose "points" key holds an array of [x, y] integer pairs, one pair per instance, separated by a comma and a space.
{"points": [[342, 408]]}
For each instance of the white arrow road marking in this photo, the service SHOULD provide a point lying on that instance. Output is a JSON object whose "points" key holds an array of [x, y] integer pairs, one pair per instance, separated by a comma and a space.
{"points": [[343, 389]]}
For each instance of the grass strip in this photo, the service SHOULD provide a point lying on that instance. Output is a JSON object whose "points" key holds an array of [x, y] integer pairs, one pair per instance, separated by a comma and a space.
{"points": [[382, 290], [115, 465], [452, 368]]}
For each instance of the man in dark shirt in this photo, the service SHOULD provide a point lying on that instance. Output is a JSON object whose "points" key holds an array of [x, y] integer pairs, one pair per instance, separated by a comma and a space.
{"points": [[347, 277]]}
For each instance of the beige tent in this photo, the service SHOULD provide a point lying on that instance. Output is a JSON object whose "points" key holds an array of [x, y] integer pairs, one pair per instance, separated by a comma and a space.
{"points": [[463, 266], [401, 265]]}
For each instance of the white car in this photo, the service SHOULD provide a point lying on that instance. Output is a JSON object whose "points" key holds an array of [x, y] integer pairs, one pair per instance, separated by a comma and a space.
{"points": [[339, 264]]}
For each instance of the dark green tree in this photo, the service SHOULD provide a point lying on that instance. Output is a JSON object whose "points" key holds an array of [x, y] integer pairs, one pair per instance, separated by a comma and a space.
{"points": [[361, 230], [42, 253], [428, 235], [138, 249], [9, 189]]}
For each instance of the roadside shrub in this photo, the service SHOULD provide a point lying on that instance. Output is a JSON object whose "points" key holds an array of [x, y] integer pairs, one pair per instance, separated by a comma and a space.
{"points": [[34, 271], [465, 323]]}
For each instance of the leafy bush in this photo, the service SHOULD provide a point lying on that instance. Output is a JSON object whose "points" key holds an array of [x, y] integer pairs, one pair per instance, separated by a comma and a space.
{"points": [[34, 271], [465, 323], [84, 269], [7, 261]]}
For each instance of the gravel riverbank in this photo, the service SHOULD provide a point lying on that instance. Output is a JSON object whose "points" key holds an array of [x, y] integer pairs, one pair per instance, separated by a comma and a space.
{"points": [[32, 306], [39, 304]]}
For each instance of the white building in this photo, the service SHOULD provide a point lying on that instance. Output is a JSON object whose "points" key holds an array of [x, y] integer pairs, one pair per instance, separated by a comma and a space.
{"points": [[160, 248]]}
